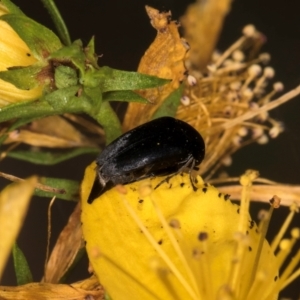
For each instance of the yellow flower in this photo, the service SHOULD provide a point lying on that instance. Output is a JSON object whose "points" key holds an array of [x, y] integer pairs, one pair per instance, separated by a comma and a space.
{"points": [[176, 243], [14, 52]]}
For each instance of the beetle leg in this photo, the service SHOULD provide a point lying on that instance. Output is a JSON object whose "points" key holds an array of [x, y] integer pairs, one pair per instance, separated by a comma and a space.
{"points": [[190, 164], [190, 173]]}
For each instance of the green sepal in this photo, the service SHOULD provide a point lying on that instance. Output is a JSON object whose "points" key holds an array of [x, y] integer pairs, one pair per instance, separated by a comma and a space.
{"points": [[66, 100], [90, 55], [69, 189], [22, 270], [39, 39], [124, 96], [50, 158], [170, 104], [73, 53], [12, 8], [109, 79], [24, 78], [65, 76]]}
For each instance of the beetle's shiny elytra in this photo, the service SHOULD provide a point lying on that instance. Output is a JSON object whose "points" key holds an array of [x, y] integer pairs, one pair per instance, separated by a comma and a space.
{"points": [[160, 147]]}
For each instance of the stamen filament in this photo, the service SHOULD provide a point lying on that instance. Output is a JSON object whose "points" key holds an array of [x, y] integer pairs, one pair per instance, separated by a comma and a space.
{"points": [[284, 227], [176, 246], [162, 254]]}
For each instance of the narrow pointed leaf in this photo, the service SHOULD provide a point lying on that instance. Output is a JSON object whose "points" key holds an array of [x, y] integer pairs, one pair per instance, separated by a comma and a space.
{"points": [[69, 188], [121, 80], [21, 266], [29, 109], [49, 158], [170, 104], [124, 96], [115, 80], [107, 118], [11, 7]]}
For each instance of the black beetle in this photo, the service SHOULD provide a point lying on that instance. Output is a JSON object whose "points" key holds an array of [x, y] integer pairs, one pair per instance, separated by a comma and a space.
{"points": [[160, 147]]}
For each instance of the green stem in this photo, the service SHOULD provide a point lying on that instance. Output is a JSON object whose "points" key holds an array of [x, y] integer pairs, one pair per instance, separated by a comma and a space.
{"points": [[58, 21], [107, 118]]}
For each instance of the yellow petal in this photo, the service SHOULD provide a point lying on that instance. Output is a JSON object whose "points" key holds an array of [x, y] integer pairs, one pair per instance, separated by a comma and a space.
{"points": [[14, 201], [14, 52], [137, 255]]}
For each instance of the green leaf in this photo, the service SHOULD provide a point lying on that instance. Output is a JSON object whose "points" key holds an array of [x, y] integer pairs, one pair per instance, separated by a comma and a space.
{"points": [[107, 118], [69, 189], [65, 100], [124, 96], [21, 266], [13, 9], [73, 53], [24, 78], [58, 21], [115, 80], [170, 104], [49, 158], [55, 103], [26, 109], [39, 39], [90, 55], [65, 77]]}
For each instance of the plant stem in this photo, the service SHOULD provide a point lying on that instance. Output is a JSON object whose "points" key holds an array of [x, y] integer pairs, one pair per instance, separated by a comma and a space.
{"points": [[58, 21]]}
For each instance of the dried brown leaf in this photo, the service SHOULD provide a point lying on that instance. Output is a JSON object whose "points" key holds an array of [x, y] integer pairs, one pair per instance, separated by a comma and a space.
{"points": [[202, 25], [51, 132], [14, 202], [66, 248], [37, 185], [165, 59], [83, 290]]}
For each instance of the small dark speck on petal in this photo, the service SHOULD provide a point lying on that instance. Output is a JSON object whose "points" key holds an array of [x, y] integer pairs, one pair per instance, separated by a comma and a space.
{"points": [[238, 210], [141, 201], [160, 242], [202, 236], [275, 278], [204, 190], [251, 224], [220, 194], [182, 184], [250, 248], [28, 54], [227, 196]]}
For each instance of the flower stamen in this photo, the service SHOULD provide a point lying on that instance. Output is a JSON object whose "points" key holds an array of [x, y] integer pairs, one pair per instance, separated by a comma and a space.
{"points": [[159, 250]]}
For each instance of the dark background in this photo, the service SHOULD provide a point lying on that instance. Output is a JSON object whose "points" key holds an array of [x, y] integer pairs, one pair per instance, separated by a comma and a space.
{"points": [[123, 33]]}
